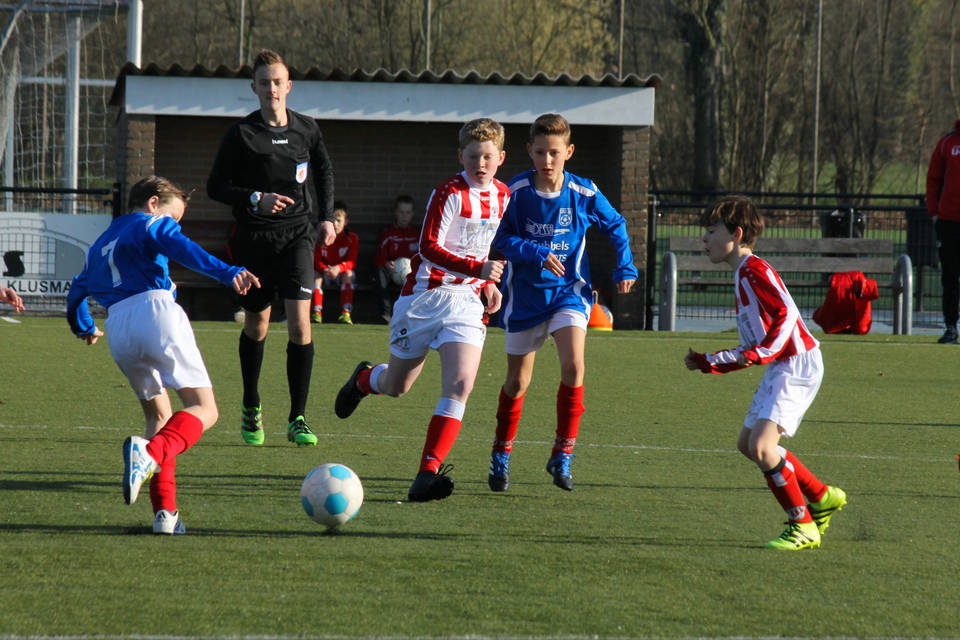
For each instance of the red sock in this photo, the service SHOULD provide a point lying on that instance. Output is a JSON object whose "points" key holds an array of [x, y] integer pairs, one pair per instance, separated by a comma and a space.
{"points": [[441, 434], [783, 483], [179, 434], [163, 487], [346, 297], [363, 381], [318, 300], [508, 417], [811, 487], [569, 410]]}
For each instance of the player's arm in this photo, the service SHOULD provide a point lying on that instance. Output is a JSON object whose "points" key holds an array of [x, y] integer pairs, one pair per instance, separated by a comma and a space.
{"points": [[380, 257], [783, 315], [10, 296], [243, 281], [441, 211], [221, 184], [553, 265], [720, 362], [493, 296], [165, 237], [322, 169], [510, 241], [935, 181], [78, 313], [612, 223], [349, 262]]}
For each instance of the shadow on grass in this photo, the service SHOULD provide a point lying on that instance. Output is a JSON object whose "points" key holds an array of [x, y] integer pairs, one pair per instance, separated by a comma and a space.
{"points": [[459, 537], [226, 533], [878, 423]]}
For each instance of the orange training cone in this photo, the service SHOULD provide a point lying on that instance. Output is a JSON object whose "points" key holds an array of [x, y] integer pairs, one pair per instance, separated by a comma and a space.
{"points": [[600, 317]]}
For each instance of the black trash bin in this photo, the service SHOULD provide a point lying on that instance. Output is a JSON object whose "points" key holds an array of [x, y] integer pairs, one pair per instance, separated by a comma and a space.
{"points": [[921, 238], [837, 223]]}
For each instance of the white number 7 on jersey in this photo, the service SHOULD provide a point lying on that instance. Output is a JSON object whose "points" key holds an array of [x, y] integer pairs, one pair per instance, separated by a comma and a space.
{"points": [[108, 251]]}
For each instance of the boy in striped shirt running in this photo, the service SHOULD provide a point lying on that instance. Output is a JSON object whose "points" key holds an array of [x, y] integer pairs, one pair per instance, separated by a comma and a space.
{"points": [[440, 306], [771, 333]]}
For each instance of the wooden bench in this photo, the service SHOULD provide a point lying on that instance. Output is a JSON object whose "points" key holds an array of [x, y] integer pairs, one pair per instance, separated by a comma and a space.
{"points": [[791, 257]]}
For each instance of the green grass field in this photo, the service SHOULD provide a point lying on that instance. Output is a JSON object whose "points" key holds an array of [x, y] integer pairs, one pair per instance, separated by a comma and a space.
{"points": [[662, 536]]}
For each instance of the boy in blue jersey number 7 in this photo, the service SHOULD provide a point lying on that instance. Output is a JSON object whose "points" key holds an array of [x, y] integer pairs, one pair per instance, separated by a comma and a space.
{"points": [[150, 336], [546, 288]]}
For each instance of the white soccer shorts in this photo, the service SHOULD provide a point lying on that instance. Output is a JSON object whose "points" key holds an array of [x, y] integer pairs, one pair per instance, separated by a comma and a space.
{"points": [[786, 391], [152, 342], [519, 343], [428, 319]]}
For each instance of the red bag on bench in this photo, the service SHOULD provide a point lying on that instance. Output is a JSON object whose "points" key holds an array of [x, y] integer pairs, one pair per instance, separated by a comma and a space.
{"points": [[847, 307]]}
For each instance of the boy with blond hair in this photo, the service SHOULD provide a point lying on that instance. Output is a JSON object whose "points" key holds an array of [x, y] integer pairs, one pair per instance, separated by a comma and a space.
{"points": [[771, 333], [439, 307], [150, 336], [547, 291]]}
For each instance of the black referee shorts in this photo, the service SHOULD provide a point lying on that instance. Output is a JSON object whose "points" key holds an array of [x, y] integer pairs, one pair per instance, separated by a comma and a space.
{"points": [[282, 258]]}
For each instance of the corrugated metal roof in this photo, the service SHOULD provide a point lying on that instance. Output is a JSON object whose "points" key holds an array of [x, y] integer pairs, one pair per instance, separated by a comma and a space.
{"points": [[382, 75]]}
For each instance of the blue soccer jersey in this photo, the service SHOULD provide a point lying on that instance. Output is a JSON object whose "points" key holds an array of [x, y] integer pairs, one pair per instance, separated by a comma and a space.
{"points": [[131, 257], [537, 224]]}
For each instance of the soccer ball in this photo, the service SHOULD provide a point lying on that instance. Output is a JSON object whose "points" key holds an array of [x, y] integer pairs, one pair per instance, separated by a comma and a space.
{"points": [[331, 494], [401, 268]]}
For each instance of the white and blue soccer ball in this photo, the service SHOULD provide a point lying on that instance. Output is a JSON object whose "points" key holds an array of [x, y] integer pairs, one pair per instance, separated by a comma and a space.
{"points": [[331, 494], [401, 269]]}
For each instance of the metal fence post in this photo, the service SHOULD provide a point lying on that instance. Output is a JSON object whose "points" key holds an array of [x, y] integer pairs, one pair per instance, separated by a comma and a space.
{"points": [[668, 293], [652, 213], [903, 296]]}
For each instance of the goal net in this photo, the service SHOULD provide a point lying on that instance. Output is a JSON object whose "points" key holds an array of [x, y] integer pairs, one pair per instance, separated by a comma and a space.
{"points": [[36, 37]]}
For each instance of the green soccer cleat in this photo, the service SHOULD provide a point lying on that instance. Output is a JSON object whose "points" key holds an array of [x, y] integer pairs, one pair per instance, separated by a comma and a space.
{"points": [[797, 535], [300, 433], [822, 510], [251, 425], [345, 318]]}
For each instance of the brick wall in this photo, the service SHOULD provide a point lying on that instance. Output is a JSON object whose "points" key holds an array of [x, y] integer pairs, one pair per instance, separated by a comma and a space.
{"points": [[137, 153], [375, 161]]}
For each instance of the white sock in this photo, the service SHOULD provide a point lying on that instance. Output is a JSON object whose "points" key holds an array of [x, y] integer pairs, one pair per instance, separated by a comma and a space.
{"points": [[375, 376]]}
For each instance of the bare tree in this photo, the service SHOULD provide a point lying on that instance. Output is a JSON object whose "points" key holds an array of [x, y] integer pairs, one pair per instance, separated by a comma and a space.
{"points": [[700, 25]]}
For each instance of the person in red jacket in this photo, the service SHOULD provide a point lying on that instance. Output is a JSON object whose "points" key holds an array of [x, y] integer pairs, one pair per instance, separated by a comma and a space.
{"points": [[943, 205], [334, 265], [396, 245]]}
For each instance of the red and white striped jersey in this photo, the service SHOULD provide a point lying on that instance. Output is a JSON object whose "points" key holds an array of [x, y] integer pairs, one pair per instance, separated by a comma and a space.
{"points": [[458, 228], [768, 320]]}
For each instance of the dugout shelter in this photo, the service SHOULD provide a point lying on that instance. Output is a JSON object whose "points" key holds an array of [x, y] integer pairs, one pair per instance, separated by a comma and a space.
{"points": [[387, 134]]}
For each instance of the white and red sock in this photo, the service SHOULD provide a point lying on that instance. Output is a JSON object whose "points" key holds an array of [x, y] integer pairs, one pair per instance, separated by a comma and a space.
{"points": [[346, 297], [811, 487], [441, 433], [783, 483], [508, 419], [569, 409], [163, 486], [368, 378], [180, 433]]}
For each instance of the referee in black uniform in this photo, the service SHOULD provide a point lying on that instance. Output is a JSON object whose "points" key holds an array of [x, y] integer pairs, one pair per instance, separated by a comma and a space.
{"points": [[273, 169]]}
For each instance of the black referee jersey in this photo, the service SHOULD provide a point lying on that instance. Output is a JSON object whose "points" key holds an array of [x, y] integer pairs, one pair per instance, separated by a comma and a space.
{"points": [[290, 160]]}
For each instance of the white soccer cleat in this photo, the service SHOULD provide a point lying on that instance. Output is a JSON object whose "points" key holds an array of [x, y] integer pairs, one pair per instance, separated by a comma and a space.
{"points": [[138, 466], [169, 523]]}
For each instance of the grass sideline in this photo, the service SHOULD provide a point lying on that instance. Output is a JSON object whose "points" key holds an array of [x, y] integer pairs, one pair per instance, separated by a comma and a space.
{"points": [[662, 535]]}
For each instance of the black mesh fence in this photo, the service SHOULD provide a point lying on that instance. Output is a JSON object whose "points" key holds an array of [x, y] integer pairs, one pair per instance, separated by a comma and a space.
{"points": [[901, 219]]}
